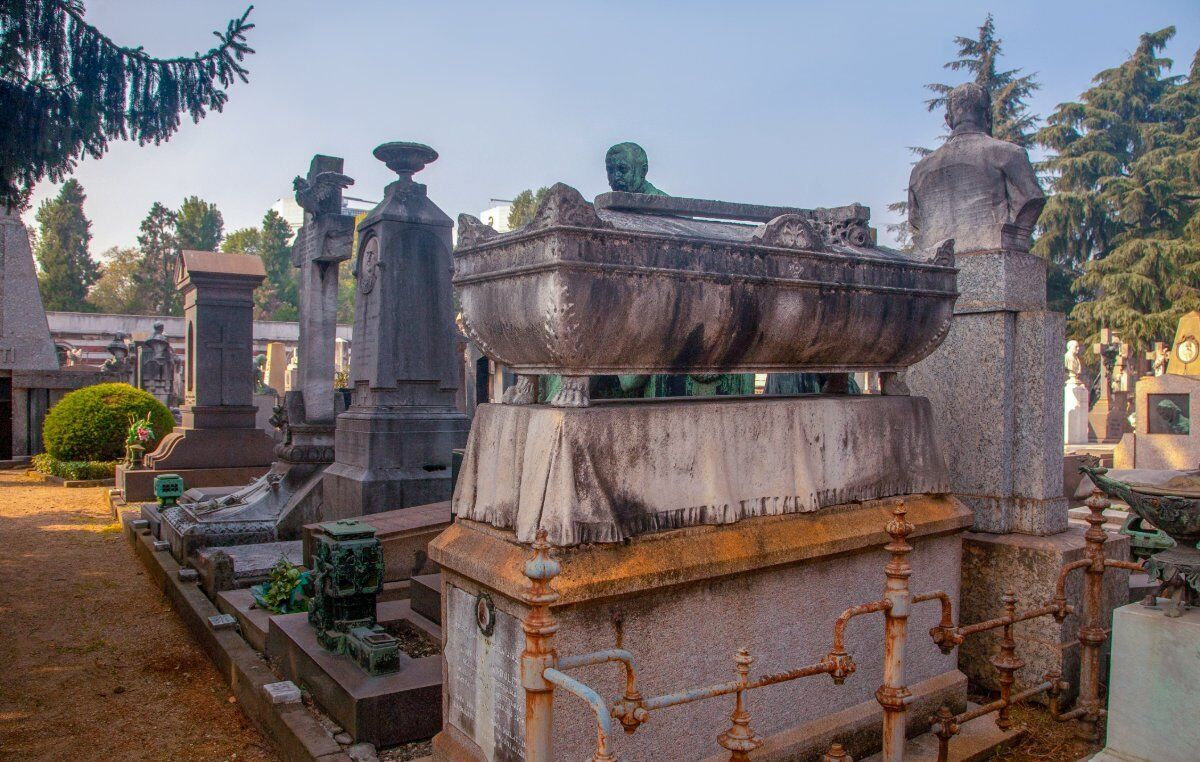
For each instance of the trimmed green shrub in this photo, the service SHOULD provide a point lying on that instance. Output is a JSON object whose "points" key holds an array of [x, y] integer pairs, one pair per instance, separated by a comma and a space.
{"points": [[90, 424], [74, 469]]}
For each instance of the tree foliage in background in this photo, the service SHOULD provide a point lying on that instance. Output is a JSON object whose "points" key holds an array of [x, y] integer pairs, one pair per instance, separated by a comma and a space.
{"points": [[198, 225], [1009, 89], [277, 298], [66, 90], [524, 206], [1126, 178], [65, 268], [117, 291], [155, 277], [347, 285]]}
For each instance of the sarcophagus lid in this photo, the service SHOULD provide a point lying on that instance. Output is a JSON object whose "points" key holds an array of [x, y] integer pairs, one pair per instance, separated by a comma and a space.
{"points": [[655, 284]]}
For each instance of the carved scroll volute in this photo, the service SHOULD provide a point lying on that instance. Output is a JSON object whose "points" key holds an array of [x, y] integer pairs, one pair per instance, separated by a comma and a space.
{"points": [[943, 253], [472, 231], [563, 205], [790, 231]]}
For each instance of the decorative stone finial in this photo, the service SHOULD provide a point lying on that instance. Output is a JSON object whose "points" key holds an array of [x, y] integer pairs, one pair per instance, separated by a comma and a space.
{"points": [[405, 159]]}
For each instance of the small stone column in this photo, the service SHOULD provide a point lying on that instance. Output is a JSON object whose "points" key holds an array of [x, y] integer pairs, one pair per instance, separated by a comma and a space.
{"points": [[393, 445]]}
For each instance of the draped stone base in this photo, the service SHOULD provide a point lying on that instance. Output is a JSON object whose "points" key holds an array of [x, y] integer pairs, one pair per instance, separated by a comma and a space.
{"points": [[624, 468]]}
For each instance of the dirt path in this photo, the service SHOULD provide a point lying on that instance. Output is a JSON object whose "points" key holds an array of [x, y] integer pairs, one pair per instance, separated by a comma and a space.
{"points": [[93, 663]]}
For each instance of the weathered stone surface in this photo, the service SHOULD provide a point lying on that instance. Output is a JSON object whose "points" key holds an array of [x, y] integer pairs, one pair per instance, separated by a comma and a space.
{"points": [[25, 342], [1000, 279], [393, 444], [995, 388], [994, 564], [688, 295], [620, 469], [1153, 700], [978, 190], [404, 536], [773, 584]]}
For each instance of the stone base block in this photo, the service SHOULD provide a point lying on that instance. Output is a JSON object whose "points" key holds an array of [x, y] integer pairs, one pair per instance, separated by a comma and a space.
{"points": [[137, 485], [383, 710], [683, 602], [426, 596], [993, 564], [1153, 700], [387, 460], [996, 280], [187, 448]]}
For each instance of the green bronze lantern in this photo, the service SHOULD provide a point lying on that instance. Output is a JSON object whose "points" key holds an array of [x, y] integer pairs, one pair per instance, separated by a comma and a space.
{"points": [[168, 488], [347, 579]]}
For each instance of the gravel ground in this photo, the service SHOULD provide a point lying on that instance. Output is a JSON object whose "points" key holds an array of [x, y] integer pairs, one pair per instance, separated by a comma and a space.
{"points": [[93, 662]]}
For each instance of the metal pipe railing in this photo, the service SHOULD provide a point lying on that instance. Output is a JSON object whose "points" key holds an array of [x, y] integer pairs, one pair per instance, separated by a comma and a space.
{"points": [[542, 670]]}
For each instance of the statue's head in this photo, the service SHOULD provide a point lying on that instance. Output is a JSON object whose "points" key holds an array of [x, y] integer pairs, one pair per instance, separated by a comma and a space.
{"points": [[626, 164], [1072, 346], [158, 326], [969, 108]]}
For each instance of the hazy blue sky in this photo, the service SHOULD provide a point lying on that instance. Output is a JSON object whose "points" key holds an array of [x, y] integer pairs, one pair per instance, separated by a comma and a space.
{"points": [[802, 103]]}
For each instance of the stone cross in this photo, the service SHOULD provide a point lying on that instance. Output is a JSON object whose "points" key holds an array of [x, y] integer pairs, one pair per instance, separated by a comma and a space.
{"points": [[1159, 357], [1109, 349], [321, 245]]}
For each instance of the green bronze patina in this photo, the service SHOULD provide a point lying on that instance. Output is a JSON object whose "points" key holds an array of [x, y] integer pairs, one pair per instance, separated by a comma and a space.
{"points": [[168, 488], [347, 579], [627, 165]]}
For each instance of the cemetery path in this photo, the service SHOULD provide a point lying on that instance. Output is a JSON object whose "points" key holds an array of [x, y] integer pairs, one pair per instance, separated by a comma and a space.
{"points": [[93, 663]]}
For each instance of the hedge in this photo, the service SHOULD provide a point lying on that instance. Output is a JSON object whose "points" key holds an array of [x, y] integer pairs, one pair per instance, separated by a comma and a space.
{"points": [[74, 470], [90, 424]]}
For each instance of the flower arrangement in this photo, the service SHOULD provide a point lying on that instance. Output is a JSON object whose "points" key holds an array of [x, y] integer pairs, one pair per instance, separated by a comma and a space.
{"points": [[140, 431], [285, 591]]}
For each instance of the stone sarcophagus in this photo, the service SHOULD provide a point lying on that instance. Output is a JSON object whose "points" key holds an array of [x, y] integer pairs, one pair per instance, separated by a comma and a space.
{"points": [[654, 284]]}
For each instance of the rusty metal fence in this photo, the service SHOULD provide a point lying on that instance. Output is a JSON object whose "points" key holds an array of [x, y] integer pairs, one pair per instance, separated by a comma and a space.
{"points": [[543, 671]]}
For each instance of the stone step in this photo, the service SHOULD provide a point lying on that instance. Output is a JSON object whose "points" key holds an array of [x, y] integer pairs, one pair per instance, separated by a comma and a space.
{"points": [[978, 739], [426, 596]]}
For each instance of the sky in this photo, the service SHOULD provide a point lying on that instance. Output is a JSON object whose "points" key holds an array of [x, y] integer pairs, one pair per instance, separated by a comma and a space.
{"points": [[783, 103]]}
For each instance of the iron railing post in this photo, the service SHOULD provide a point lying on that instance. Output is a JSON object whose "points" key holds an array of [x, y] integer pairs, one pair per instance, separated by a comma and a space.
{"points": [[894, 695], [539, 654]]}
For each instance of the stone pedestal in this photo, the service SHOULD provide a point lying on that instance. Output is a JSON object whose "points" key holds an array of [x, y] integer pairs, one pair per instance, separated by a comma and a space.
{"points": [[995, 385], [393, 444], [683, 602], [1075, 414], [219, 429], [1107, 420], [1153, 700], [993, 564]]}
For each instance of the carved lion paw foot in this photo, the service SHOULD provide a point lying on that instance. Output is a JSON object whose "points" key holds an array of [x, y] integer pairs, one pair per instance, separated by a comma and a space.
{"points": [[521, 393], [572, 393]]}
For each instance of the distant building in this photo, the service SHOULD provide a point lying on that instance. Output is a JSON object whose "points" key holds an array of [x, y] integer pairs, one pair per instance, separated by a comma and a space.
{"points": [[497, 216]]}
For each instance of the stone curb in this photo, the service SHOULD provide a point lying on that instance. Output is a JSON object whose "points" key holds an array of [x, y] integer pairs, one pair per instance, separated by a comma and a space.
{"points": [[61, 482], [296, 733]]}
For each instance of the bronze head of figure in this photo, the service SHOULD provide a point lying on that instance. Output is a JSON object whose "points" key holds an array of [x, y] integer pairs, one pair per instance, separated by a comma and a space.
{"points": [[627, 164], [969, 109]]}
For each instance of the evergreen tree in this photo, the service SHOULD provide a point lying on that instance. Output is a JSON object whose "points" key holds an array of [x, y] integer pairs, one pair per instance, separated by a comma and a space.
{"points": [[118, 290], [66, 90], [155, 274], [198, 225], [66, 269], [1126, 175], [1009, 89], [524, 206], [281, 301]]}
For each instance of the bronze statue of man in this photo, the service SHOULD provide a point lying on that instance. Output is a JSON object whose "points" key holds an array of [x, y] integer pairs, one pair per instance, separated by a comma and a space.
{"points": [[627, 164], [976, 189]]}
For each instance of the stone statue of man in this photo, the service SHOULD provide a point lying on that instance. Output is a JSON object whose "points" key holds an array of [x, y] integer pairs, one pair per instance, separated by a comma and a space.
{"points": [[976, 189], [1072, 363], [627, 165]]}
